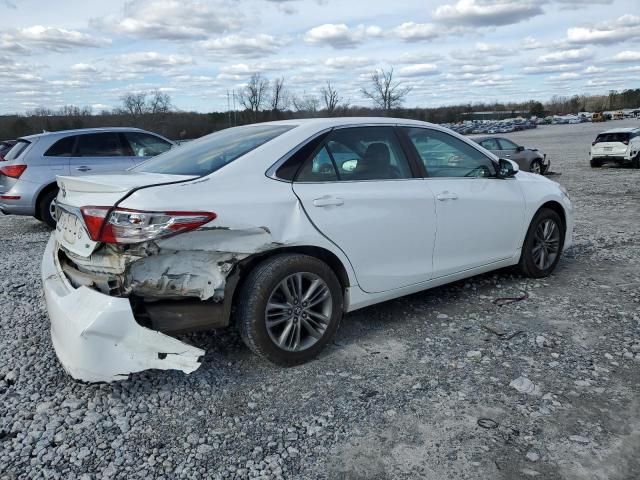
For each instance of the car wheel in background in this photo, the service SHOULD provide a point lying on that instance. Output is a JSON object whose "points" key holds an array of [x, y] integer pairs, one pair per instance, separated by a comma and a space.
{"points": [[46, 207], [543, 244], [289, 308], [536, 167], [635, 163], [596, 164]]}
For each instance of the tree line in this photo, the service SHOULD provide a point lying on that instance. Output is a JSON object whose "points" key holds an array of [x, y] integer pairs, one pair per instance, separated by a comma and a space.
{"points": [[263, 99]]}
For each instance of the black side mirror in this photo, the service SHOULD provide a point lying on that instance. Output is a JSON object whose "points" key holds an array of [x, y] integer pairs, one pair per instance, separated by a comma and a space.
{"points": [[507, 168], [520, 148]]}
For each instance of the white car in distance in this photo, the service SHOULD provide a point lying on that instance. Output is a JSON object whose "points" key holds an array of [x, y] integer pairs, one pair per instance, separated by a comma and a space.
{"points": [[279, 229]]}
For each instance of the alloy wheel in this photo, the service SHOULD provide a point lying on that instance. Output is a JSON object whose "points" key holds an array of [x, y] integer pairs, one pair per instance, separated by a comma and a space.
{"points": [[546, 244], [298, 311], [536, 167], [52, 209]]}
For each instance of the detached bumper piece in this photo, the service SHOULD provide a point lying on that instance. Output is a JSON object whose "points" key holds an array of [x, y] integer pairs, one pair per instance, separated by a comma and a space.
{"points": [[96, 336]]}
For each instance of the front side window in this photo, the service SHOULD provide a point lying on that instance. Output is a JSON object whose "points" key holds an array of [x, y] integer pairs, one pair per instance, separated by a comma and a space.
{"points": [[355, 154], [508, 144], [444, 155], [62, 148], [208, 154], [145, 145], [99, 145], [490, 144]]}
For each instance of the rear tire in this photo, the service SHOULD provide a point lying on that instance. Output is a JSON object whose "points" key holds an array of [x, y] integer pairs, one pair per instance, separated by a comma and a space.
{"points": [[543, 244], [635, 163], [46, 208], [282, 301], [536, 167], [596, 164]]}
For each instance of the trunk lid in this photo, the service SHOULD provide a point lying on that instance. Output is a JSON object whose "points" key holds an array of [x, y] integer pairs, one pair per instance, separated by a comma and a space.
{"points": [[610, 148], [96, 190]]}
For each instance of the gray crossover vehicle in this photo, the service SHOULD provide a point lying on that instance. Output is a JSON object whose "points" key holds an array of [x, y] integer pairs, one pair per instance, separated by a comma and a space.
{"points": [[528, 159], [28, 174]]}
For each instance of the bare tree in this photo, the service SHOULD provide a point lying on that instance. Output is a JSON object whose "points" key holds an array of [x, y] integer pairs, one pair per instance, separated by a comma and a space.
{"points": [[158, 102], [254, 95], [330, 98], [306, 103], [279, 96], [134, 104], [385, 93]]}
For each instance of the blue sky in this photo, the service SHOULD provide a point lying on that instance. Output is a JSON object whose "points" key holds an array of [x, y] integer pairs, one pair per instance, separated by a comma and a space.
{"points": [[449, 51]]}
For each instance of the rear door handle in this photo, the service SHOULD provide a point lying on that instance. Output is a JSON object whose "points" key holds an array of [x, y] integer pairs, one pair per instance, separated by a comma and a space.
{"points": [[83, 168], [328, 201], [443, 196]]}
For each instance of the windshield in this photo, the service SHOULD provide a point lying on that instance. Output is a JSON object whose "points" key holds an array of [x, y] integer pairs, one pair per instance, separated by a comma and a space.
{"points": [[208, 154]]}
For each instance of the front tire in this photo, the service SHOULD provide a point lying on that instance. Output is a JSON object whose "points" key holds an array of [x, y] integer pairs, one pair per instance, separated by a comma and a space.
{"points": [[536, 167], [289, 308], [596, 163], [635, 163], [46, 208], [543, 244]]}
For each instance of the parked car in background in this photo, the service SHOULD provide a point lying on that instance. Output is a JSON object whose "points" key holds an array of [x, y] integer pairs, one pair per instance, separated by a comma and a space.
{"points": [[597, 117], [528, 159], [619, 145], [28, 174], [274, 222], [5, 147]]}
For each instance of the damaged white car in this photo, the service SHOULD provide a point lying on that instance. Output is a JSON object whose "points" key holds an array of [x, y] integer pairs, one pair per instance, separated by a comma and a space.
{"points": [[279, 229]]}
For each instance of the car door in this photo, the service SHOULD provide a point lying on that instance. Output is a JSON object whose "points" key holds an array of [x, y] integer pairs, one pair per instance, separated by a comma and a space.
{"points": [[493, 146], [58, 155], [142, 146], [359, 190], [99, 153], [479, 217], [511, 151]]}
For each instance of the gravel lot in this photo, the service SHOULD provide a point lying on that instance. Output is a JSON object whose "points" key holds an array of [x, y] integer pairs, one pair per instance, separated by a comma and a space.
{"points": [[397, 396]]}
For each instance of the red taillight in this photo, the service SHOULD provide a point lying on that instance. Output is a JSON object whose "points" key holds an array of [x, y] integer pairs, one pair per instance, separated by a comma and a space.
{"points": [[13, 171], [124, 225]]}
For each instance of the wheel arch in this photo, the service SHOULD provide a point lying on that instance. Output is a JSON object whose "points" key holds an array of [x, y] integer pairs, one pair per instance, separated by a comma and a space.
{"points": [[43, 191], [242, 269], [556, 207]]}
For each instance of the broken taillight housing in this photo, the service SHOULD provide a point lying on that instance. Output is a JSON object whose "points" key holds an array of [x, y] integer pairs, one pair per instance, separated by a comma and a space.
{"points": [[124, 225]]}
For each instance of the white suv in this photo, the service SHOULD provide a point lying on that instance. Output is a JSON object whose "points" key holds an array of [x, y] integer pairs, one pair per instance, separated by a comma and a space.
{"points": [[619, 145]]}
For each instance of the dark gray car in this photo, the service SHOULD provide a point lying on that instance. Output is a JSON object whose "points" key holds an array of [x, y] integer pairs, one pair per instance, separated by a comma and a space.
{"points": [[528, 159]]}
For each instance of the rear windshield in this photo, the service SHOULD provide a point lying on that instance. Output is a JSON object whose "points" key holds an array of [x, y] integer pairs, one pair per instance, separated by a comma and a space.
{"points": [[613, 137], [17, 150], [208, 154]]}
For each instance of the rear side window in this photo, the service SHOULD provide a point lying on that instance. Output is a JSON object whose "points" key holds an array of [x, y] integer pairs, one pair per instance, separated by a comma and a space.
{"points": [[62, 148], [100, 145], [490, 144], [145, 145], [17, 150], [613, 137], [208, 154]]}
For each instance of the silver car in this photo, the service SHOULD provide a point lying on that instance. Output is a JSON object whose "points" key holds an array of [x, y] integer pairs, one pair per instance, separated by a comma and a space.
{"points": [[28, 174], [528, 159]]}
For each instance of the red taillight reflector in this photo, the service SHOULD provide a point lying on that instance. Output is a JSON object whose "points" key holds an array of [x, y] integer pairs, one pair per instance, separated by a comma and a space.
{"points": [[13, 171], [10, 197]]}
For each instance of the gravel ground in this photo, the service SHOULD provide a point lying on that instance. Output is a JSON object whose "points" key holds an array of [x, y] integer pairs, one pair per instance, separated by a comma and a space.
{"points": [[398, 395]]}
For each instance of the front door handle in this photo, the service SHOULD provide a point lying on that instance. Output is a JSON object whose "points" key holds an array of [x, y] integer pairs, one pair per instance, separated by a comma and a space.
{"points": [[328, 201], [443, 196], [83, 168]]}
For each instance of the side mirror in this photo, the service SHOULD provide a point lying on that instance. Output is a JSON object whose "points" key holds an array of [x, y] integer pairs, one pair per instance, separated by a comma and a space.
{"points": [[520, 148], [507, 168]]}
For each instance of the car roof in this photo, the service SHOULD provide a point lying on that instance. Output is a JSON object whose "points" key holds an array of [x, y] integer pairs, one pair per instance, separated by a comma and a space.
{"points": [[328, 122], [64, 133], [482, 138], [622, 130]]}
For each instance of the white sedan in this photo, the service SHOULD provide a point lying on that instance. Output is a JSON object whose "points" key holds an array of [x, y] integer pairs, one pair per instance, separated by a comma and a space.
{"points": [[279, 229]]}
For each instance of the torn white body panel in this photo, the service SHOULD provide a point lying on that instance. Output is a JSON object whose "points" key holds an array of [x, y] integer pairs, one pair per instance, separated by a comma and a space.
{"points": [[96, 337]]}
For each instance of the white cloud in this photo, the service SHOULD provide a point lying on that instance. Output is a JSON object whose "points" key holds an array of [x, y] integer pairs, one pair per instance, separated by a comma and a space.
{"points": [[173, 19], [154, 60], [564, 77], [627, 56], [479, 13], [340, 35], [418, 70], [540, 69], [245, 46], [565, 56], [23, 40], [412, 32], [624, 28]]}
